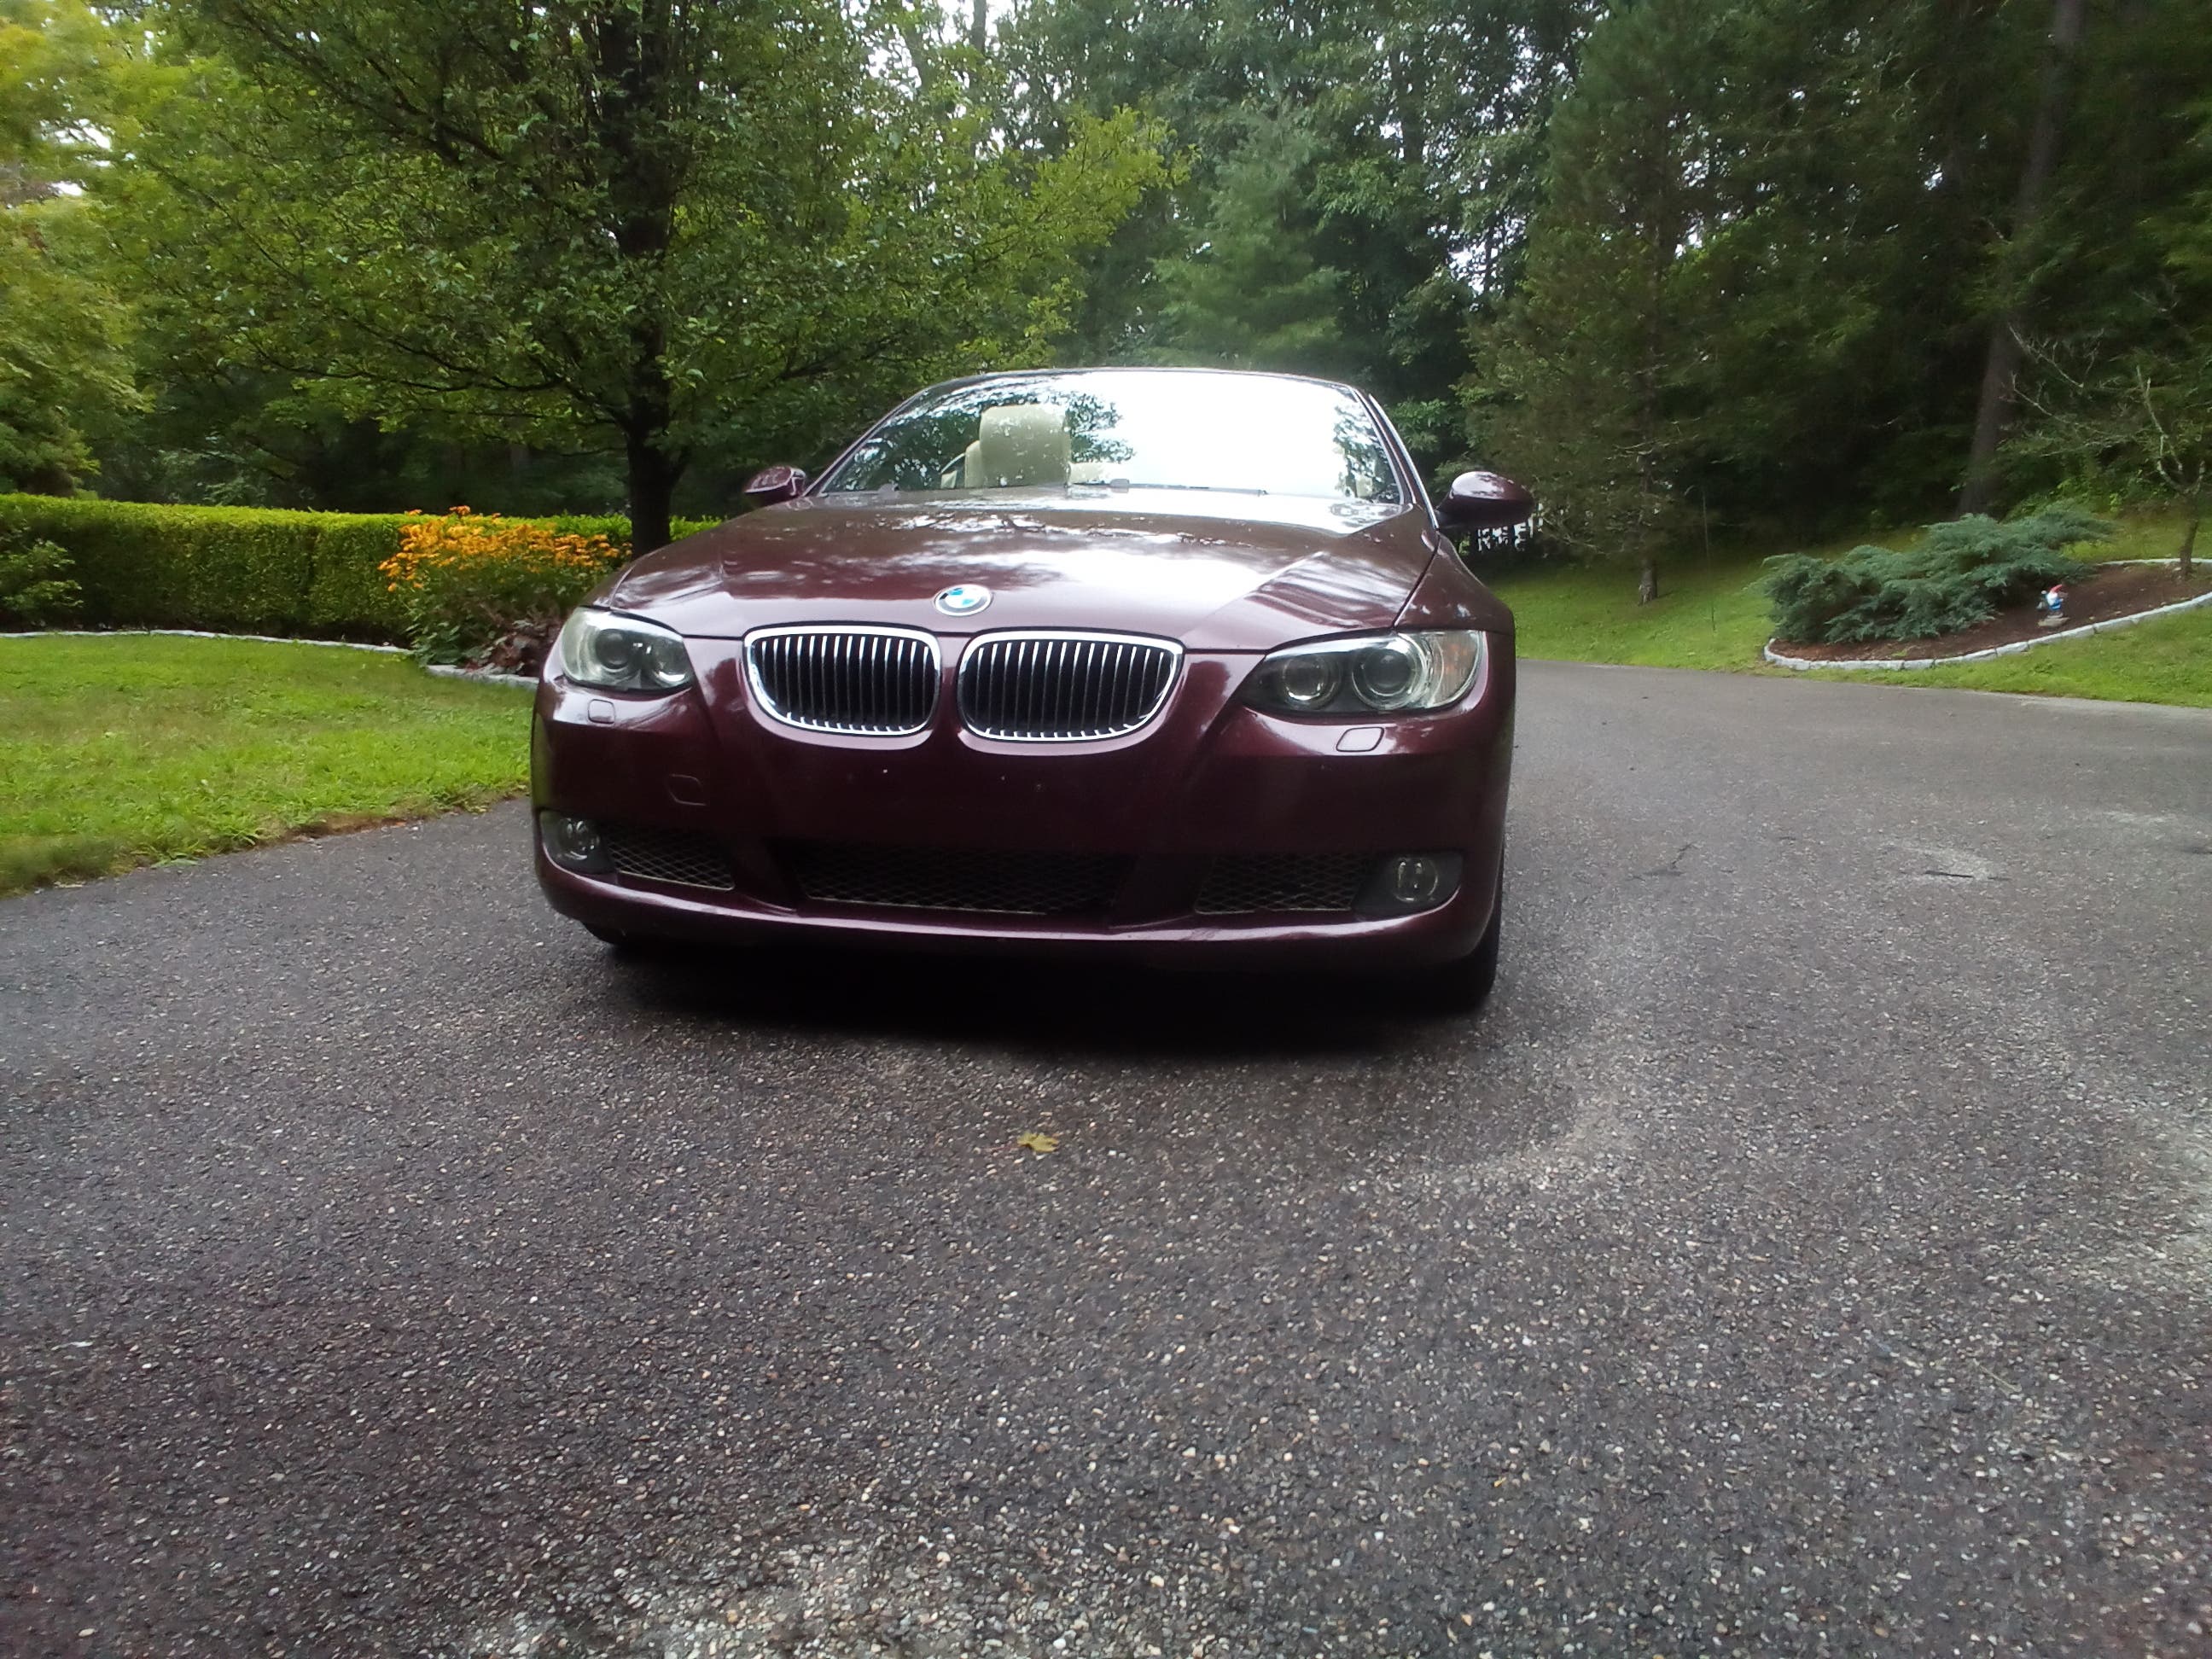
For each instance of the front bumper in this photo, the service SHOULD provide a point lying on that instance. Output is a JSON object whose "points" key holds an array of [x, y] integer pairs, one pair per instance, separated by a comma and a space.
{"points": [[1208, 780]]}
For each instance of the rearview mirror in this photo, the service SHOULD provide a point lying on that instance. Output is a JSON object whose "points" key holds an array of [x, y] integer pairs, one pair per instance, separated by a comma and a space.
{"points": [[772, 484], [1485, 500]]}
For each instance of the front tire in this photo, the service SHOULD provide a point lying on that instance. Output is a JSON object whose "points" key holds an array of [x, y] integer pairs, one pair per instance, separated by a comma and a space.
{"points": [[626, 947], [1463, 987]]}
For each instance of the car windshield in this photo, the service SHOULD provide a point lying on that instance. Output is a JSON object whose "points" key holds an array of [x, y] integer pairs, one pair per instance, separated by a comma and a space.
{"points": [[1129, 430]]}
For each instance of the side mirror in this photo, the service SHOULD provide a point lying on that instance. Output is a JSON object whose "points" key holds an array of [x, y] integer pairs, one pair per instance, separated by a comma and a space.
{"points": [[1485, 500], [772, 484]]}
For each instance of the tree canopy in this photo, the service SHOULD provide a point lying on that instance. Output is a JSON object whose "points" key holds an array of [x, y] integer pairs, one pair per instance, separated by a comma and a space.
{"points": [[683, 227], [1809, 264], [64, 331]]}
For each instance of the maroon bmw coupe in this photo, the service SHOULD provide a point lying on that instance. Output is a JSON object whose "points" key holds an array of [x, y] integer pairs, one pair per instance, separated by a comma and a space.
{"points": [[1162, 665]]}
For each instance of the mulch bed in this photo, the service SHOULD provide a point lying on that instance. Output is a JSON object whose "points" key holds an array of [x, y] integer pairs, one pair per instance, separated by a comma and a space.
{"points": [[2116, 590]]}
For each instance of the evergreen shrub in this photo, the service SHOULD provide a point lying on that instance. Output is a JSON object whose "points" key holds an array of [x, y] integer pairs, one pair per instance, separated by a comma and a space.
{"points": [[1961, 573]]}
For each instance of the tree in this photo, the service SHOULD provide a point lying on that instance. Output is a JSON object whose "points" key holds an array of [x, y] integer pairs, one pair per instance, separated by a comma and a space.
{"points": [[1807, 314], [2130, 395], [63, 333], [1251, 295], [2000, 374], [1846, 196], [1360, 172], [1581, 393], [689, 228], [384, 252], [2146, 415]]}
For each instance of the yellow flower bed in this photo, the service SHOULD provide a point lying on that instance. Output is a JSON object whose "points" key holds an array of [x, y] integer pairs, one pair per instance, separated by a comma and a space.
{"points": [[470, 582]]}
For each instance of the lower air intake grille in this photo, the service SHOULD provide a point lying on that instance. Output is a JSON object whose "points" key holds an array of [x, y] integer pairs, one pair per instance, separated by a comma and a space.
{"points": [[930, 878], [1063, 688], [1295, 881], [675, 856]]}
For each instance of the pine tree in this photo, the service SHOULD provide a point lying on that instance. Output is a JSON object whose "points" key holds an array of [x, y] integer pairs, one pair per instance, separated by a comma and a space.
{"points": [[1582, 397], [1250, 294]]}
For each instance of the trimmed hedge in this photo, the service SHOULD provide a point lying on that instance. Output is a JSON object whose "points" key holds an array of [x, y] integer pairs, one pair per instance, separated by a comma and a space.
{"points": [[239, 569], [247, 570]]}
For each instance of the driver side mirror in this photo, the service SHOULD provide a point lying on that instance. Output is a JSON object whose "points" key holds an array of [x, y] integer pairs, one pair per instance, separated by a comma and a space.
{"points": [[1486, 501], [772, 484]]}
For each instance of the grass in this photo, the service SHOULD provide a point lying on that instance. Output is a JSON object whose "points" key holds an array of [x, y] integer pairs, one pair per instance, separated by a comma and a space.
{"points": [[122, 749], [2168, 660], [1711, 614], [1708, 615]]}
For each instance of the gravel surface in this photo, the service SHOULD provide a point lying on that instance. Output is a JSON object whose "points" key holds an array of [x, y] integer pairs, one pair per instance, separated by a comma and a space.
{"points": [[1809, 1251]]}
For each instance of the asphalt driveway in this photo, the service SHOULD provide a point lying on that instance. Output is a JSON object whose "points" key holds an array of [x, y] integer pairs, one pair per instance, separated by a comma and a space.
{"points": [[1810, 1250]]}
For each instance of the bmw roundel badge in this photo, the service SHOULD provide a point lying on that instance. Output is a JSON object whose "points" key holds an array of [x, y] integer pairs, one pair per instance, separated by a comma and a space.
{"points": [[963, 600]]}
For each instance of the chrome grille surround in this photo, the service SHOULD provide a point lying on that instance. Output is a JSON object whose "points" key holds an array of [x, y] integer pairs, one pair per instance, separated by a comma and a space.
{"points": [[850, 679], [1057, 685], [1255, 884], [645, 852]]}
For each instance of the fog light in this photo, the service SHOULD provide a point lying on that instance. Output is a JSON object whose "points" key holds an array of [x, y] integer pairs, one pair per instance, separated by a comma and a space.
{"points": [[1413, 882], [1408, 882], [573, 843]]}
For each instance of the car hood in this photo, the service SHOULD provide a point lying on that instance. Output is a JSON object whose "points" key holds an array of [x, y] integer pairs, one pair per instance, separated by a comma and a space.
{"points": [[1217, 571]]}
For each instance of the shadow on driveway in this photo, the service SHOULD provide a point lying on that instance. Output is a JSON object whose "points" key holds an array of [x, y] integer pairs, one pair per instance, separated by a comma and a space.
{"points": [[1067, 1008]]}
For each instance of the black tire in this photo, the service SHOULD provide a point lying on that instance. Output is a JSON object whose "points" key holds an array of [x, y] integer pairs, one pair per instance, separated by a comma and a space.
{"points": [[627, 947], [1462, 986]]}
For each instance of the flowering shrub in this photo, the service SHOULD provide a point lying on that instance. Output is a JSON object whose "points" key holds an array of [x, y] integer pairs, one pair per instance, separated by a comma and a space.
{"points": [[476, 587]]}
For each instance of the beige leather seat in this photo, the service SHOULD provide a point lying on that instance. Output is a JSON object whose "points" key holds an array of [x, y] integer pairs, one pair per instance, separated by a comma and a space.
{"points": [[1018, 444]]}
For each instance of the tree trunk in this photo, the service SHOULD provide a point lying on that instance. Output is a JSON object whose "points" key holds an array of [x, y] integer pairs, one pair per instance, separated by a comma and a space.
{"points": [[1647, 580], [2000, 378], [1992, 414], [652, 478], [979, 26], [918, 48], [2189, 536], [639, 64], [652, 469], [1407, 84]]}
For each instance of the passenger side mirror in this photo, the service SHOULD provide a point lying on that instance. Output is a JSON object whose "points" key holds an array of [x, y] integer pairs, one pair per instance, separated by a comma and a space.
{"points": [[1486, 501], [772, 484]]}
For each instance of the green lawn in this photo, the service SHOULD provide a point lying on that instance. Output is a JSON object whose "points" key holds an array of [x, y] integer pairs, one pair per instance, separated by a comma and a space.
{"points": [[2169, 661], [122, 749], [1711, 614], [1708, 614]]}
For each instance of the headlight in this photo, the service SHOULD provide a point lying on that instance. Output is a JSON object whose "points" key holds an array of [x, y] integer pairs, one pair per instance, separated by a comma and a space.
{"points": [[614, 652], [1381, 674]]}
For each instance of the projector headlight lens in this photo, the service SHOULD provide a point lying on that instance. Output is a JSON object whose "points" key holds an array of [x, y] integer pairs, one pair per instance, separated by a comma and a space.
{"points": [[610, 652], [1379, 674]]}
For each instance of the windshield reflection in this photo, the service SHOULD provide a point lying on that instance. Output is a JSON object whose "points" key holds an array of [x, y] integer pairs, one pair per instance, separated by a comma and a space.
{"points": [[1096, 431]]}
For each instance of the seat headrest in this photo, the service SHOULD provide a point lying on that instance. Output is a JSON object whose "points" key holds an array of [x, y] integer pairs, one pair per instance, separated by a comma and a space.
{"points": [[1020, 444]]}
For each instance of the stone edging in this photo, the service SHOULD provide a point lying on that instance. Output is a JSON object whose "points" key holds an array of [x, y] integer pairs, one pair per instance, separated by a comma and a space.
{"points": [[1895, 663], [482, 676]]}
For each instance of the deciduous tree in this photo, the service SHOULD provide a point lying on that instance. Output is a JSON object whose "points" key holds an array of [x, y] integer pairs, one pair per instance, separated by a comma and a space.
{"points": [[690, 226], [64, 331]]}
